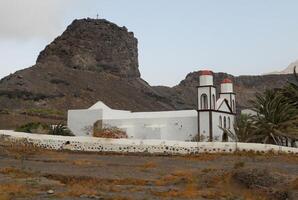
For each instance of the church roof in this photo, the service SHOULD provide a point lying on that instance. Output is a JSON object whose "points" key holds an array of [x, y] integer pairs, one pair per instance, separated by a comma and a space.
{"points": [[205, 72], [227, 80], [99, 105], [223, 105]]}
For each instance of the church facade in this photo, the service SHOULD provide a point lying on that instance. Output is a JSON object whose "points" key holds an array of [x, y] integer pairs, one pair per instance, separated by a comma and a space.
{"points": [[203, 124]]}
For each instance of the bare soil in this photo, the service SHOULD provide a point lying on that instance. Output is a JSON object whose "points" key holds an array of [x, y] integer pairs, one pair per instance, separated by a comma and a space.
{"points": [[30, 173]]}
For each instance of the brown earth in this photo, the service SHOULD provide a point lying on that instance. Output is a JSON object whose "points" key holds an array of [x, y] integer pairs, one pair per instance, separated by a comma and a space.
{"points": [[97, 60], [30, 173]]}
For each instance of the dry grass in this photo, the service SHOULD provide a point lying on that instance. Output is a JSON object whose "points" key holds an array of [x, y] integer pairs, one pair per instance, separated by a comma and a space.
{"points": [[83, 162], [130, 181], [208, 170], [77, 186], [81, 188], [176, 177], [148, 165], [202, 157], [190, 191], [96, 181], [187, 183], [12, 190], [295, 184], [17, 173], [239, 164]]}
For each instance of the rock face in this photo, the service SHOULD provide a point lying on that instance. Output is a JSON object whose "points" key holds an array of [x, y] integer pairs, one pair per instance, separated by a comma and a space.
{"points": [[94, 45], [92, 60], [97, 60]]}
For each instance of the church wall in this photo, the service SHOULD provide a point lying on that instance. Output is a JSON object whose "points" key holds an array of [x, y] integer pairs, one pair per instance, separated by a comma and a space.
{"points": [[169, 125], [167, 128], [80, 122], [217, 132], [230, 97], [204, 125]]}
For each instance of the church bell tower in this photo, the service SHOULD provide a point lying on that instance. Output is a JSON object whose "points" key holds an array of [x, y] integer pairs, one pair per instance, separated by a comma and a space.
{"points": [[206, 104], [206, 99]]}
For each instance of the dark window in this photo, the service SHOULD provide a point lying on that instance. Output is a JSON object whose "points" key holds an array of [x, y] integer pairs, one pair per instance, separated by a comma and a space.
{"points": [[213, 100], [220, 121], [204, 101], [225, 122], [229, 123]]}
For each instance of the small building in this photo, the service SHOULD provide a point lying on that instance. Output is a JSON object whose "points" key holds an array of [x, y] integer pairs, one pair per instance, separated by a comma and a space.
{"points": [[203, 124]]}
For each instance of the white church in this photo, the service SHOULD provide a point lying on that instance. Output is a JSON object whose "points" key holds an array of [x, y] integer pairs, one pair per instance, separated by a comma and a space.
{"points": [[203, 124]]}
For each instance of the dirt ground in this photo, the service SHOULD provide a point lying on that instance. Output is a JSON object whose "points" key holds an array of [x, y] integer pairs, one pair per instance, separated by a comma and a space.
{"points": [[30, 173]]}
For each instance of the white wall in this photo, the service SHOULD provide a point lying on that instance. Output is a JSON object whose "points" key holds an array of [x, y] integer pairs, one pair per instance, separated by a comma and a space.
{"points": [[80, 122], [204, 125], [170, 125], [170, 128], [90, 144], [217, 132]]}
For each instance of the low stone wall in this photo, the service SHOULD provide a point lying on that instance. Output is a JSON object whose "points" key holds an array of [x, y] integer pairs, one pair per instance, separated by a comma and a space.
{"points": [[91, 144]]}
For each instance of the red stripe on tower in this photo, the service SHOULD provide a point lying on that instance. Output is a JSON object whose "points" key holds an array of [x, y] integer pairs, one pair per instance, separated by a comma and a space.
{"points": [[205, 72]]}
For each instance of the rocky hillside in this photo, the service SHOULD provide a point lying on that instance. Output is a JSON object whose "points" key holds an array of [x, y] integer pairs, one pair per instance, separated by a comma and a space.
{"points": [[183, 95], [98, 60]]}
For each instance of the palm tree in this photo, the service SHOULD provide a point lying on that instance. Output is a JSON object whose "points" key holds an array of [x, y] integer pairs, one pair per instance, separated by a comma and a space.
{"points": [[243, 127], [291, 90], [276, 120], [60, 129]]}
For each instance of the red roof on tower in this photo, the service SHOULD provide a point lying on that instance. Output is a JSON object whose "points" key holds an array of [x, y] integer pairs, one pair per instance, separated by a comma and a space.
{"points": [[205, 72], [226, 80]]}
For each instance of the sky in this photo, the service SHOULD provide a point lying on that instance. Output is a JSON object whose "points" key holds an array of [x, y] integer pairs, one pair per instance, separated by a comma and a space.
{"points": [[240, 37]]}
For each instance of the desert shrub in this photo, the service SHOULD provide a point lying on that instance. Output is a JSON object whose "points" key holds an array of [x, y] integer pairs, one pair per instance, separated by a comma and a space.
{"points": [[238, 165], [34, 127], [253, 178], [60, 129], [109, 132], [196, 138], [4, 112]]}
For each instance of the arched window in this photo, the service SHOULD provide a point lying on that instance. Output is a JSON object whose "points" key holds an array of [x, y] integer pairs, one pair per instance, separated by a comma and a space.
{"points": [[229, 123], [213, 101], [220, 121], [225, 122], [204, 101]]}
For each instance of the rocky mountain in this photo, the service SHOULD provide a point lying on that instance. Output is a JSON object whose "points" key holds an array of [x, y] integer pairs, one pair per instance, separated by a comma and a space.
{"points": [[288, 70], [94, 60], [245, 87]]}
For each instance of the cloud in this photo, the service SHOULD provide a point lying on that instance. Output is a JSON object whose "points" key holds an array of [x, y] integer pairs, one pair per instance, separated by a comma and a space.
{"points": [[26, 19]]}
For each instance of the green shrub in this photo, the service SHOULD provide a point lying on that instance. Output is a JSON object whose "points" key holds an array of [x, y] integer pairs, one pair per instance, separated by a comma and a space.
{"points": [[41, 128], [34, 127]]}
